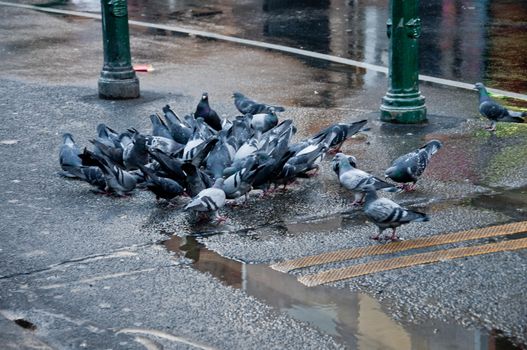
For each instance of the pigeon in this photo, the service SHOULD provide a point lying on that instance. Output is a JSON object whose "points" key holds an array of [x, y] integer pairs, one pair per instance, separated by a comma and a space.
{"points": [[219, 157], [355, 179], [240, 183], [105, 133], [115, 154], [299, 164], [117, 180], [95, 177], [162, 187], [248, 148], [263, 122], [209, 200], [136, 152], [159, 128], [385, 213], [335, 135], [494, 111], [204, 111], [246, 105], [69, 159], [170, 165], [180, 132], [165, 144], [195, 180], [408, 167], [241, 129]]}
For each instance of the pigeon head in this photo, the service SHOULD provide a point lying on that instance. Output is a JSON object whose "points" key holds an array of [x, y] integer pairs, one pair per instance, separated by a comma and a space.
{"points": [[393, 172], [68, 138], [204, 96], [432, 146], [237, 95], [478, 86]]}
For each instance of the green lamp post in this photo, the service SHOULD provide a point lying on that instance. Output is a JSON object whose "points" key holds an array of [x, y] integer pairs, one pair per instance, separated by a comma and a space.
{"points": [[118, 79], [403, 103]]}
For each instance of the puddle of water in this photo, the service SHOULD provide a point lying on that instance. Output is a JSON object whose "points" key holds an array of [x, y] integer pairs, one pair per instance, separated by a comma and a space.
{"points": [[354, 319], [511, 202], [330, 223]]}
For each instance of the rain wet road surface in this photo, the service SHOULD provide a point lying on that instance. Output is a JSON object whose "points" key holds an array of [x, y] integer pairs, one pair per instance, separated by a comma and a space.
{"points": [[355, 319], [472, 180], [465, 41]]}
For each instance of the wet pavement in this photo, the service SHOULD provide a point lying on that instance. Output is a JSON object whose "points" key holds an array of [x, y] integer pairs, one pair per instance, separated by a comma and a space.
{"points": [[92, 272], [467, 41]]}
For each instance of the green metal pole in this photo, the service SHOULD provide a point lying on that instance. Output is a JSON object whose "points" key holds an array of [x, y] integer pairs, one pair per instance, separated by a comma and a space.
{"points": [[403, 103], [118, 79]]}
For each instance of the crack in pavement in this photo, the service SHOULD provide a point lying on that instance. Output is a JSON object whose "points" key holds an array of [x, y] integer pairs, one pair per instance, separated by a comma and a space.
{"points": [[117, 253]]}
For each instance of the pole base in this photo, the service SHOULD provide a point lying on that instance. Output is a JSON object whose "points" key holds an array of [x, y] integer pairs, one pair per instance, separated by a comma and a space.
{"points": [[404, 115], [403, 108], [118, 89]]}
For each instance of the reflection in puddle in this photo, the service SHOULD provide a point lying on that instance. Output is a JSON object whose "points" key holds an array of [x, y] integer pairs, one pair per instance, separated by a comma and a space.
{"points": [[328, 223], [354, 319], [511, 202]]}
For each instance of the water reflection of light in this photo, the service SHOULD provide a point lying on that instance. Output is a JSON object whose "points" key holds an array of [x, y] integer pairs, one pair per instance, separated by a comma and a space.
{"points": [[371, 49], [87, 5], [323, 316]]}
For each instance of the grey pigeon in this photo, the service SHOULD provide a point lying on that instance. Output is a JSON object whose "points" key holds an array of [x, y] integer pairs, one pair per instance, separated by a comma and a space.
{"points": [[219, 157], [180, 132], [355, 180], [241, 129], [136, 153], [69, 159], [209, 200], [167, 145], [195, 180], [248, 148], [115, 154], [105, 133], [204, 111], [95, 177], [159, 128], [170, 165], [162, 187], [262, 178], [385, 213], [240, 183], [263, 122], [335, 135], [496, 112], [246, 105], [117, 180], [409, 167], [300, 163]]}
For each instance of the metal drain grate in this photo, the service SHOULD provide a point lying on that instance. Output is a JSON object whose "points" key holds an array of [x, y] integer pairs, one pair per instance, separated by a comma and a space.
{"points": [[354, 253]]}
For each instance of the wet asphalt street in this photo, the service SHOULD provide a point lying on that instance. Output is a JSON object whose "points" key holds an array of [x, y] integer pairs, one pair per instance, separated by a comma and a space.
{"points": [[97, 272]]}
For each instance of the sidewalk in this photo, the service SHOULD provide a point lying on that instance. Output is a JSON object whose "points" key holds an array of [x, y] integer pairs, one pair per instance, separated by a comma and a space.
{"points": [[89, 271]]}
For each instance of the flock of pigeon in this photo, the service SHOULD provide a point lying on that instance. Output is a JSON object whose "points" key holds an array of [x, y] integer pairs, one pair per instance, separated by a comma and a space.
{"points": [[211, 159]]}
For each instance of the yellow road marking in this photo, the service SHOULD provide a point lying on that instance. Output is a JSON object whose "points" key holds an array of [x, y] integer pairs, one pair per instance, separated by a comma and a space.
{"points": [[355, 253], [409, 260]]}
